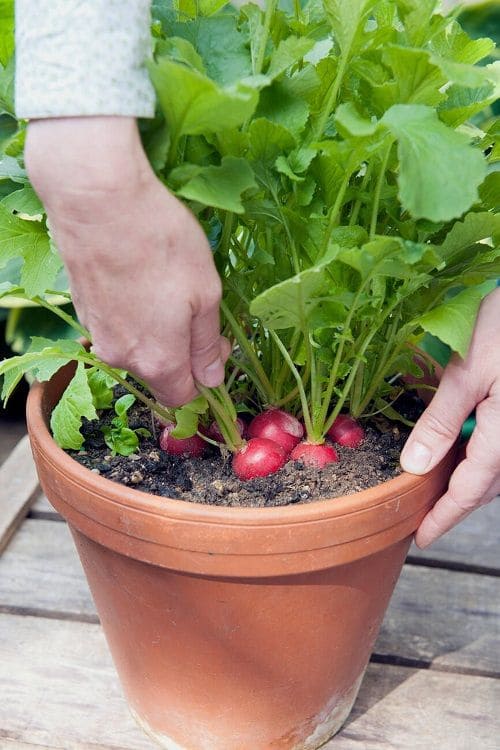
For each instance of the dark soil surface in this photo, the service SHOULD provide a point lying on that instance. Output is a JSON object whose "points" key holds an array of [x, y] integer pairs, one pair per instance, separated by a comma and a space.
{"points": [[210, 479]]}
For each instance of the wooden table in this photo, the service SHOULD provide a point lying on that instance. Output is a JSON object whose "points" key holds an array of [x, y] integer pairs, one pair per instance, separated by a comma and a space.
{"points": [[433, 682]]}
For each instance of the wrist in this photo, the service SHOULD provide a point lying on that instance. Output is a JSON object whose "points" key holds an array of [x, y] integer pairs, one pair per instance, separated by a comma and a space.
{"points": [[68, 157]]}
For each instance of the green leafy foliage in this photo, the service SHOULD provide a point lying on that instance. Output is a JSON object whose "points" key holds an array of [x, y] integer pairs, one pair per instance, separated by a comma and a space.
{"points": [[6, 30], [450, 321], [220, 186], [187, 417], [440, 171], [119, 437], [30, 241], [75, 404], [342, 158]]}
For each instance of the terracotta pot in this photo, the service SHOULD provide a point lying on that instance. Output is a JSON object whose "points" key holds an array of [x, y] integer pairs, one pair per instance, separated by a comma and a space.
{"points": [[234, 628]]}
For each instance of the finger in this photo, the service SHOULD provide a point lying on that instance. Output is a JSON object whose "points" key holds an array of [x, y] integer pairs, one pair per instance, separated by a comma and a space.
{"points": [[440, 424], [475, 481], [225, 348], [207, 363], [166, 367]]}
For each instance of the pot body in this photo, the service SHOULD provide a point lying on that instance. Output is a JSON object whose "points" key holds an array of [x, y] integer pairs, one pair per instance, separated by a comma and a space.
{"points": [[240, 664], [234, 629]]}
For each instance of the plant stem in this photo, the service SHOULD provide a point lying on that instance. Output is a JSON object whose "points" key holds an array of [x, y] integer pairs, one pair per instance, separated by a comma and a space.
{"points": [[335, 212], [261, 379], [268, 17], [347, 386], [338, 357], [357, 206], [64, 316], [226, 424], [383, 366], [284, 369], [331, 101], [378, 191], [226, 231], [226, 401], [165, 414], [296, 375]]}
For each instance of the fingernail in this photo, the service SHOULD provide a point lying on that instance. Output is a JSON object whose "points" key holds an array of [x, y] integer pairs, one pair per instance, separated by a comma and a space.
{"points": [[213, 374], [416, 458]]}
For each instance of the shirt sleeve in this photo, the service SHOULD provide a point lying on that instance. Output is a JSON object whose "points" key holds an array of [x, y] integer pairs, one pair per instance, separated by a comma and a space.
{"points": [[83, 57]]}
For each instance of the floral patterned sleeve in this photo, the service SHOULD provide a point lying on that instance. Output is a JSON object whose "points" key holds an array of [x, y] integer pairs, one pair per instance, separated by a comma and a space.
{"points": [[83, 57]]}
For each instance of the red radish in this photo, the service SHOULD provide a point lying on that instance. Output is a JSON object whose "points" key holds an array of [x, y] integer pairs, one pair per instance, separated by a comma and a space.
{"points": [[278, 426], [191, 447], [215, 433], [314, 455], [258, 458], [346, 431]]}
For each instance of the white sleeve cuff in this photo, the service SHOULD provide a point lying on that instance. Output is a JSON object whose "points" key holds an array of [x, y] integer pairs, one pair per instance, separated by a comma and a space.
{"points": [[82, 58]]}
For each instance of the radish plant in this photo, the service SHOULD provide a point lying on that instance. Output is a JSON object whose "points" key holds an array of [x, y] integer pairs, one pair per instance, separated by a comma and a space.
{"points": [[342, 158]]}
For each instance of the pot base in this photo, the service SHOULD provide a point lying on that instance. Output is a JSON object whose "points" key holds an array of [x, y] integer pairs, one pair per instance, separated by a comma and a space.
{"points": [[327, 724]]}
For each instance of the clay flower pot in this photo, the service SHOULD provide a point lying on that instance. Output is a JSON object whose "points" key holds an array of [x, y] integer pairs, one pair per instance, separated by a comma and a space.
{"points": [[234, 627]]}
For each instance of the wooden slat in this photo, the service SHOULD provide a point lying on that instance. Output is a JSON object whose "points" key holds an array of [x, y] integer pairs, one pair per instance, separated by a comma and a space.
{"points": [[446, 618], [406, 709], [40, 572], [474, 542], [41, 508], [11, 432], [442, 617], [59, 690], [15, 745], [18, 483]]}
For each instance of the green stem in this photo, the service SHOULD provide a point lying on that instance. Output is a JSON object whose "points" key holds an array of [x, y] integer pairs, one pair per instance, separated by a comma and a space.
{"points": [[226, 401], [388, 354], [378, 191], [347, 386], [64, 316], [315, 385], [284, 369], [293, 248], [338, 356], [165, 414], [300, 386], [268, 17], [226, 231], [357, 206], [331, 101], [227, 426], [259, 375], [335, 212]]}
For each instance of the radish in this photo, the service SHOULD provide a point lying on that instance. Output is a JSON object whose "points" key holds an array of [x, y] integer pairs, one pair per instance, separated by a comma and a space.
{"points": [[258, 458], [314, 455], [278, 426], [346, 431], [191, 447], [215, 433]]}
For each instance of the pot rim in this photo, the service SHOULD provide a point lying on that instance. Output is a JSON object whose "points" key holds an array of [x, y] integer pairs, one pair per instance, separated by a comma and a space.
{"points": [[166, 507]]}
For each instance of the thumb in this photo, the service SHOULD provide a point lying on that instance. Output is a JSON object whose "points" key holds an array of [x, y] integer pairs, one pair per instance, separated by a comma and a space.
{"points": [[440, 424]]}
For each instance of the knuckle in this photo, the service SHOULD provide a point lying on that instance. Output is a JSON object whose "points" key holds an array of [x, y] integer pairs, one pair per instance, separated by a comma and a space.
{"points": [[211, 299], [208, 352], [463, 504], [435, 425]]}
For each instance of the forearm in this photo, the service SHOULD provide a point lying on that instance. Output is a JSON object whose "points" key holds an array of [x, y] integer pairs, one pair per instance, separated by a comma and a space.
{"points": [[77, 58], [68, 159]]}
